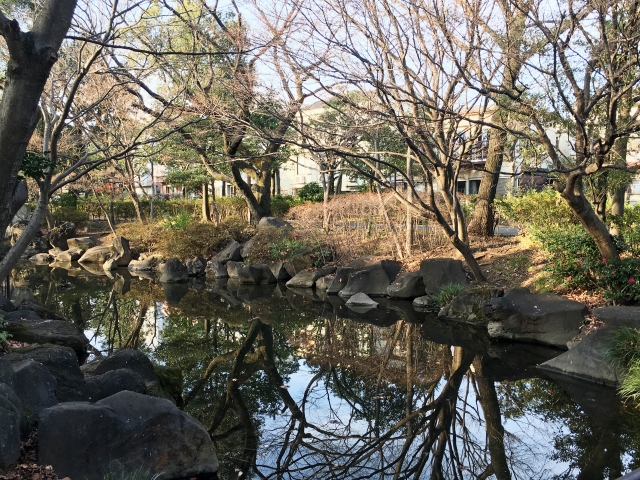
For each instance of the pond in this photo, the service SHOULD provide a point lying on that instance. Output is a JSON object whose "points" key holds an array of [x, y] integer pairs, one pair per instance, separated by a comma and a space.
{"points": [[292, 385]]}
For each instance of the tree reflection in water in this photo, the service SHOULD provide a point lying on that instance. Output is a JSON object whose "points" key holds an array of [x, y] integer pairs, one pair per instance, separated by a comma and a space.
{"points": [[365, 401]]}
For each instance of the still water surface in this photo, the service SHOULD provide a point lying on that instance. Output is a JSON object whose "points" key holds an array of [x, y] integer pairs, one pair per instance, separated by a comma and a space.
{"points": [[296, 386]]}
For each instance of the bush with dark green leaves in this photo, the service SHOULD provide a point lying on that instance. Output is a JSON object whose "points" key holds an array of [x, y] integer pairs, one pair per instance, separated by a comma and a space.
{"points": [[311, 192]]}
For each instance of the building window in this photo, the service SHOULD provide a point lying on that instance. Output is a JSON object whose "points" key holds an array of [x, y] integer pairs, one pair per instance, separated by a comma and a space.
{"points": [[462, 186], [474, 187]]}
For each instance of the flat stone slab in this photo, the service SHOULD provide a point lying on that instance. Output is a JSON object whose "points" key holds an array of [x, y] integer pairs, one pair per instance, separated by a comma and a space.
{"points": [[543, 318], [307, 278], [619, 316], [96, 255], [587, 360], [30, 329]]}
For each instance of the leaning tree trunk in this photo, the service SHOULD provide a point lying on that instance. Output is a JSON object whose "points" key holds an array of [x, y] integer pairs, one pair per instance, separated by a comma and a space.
{"points": [[258, 198], [31, 56]]}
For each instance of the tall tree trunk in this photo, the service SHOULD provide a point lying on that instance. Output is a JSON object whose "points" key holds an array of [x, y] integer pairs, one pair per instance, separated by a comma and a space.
{"points": [[409, 234], [206, 212], [131, 189], [31, 56], [482, 219], [216, 212]]}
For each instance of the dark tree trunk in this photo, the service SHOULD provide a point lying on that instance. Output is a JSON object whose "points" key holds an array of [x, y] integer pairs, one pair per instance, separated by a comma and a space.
{"points": [[206, 212], [31, 56]]}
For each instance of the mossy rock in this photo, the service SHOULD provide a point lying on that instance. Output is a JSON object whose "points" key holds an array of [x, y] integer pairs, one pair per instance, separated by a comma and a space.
{"points": [[467, 305], [170, 383]]}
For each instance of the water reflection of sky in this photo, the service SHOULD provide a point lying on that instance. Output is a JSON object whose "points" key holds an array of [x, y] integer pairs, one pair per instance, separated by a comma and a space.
{"points": [[546, 433]]}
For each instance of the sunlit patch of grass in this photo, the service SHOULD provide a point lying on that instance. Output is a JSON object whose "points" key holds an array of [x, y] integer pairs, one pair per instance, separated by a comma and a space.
{"points": [[447, 292]]}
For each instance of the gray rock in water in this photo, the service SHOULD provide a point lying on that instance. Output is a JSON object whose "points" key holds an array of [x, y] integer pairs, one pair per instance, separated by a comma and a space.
{"points": [[325, 282], [274, 222], [81, 242], [587, 360], [174, 272], [232, 268], [297, 264], [279, 271], [81, 440], [133, 360], [146, 264], [619, 316], [62, 363], [543, 318], [96, 255], [407, 285], [216, 269], [391, 267], [72, 255], [361, 300], [258, 274], [373, 282], [438, 272], [196, 266], [41, 259], [114, 381], [230, 253], [110, 265], [35, 387], [307, 278], [10, 418], [121, 252], [26, 326]]}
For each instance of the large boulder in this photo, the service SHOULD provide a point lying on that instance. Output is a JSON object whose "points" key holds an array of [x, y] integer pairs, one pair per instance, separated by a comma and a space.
{"points": [[543, 318], [325, 282], [35, 387], [407, 285], [26, 326], [391, 267], [43, 312], [7, 375], [196, 266], [72, 255], [587, 360], [258, 274], [372, 281], [216, 269], [83, 243], [307, 278], [247, 246], [438, 272], [274, 222], [233, 267], [10, 418], [230, 253], [121, 253], [145, 264], [96, 255], [619, 316], [114, 381], [297, 264], [174, 272], [279, 271], [62, 363], [123, 433], [59, 235]]}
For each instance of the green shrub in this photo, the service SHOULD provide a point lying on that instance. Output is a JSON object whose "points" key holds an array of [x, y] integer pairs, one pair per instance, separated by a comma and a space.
{"points": [[628, 226], [535, 209], [623, 351], [280, 205], [574, 261], [65, 200], [70, 214], [176, 222], [447, 293], [3, 333], [311, 192]]}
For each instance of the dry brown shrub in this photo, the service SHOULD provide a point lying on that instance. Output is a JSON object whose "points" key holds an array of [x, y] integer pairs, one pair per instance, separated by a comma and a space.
{"points": [[358, 226]]}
